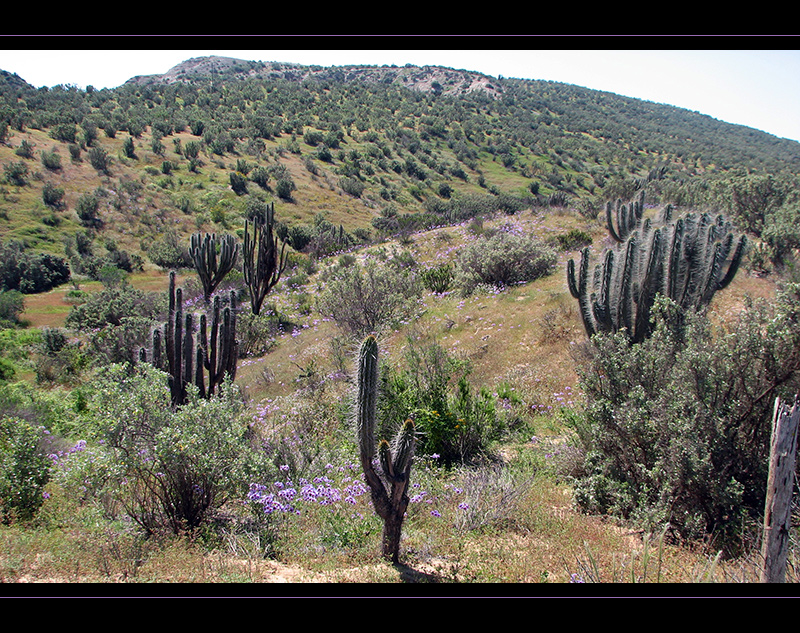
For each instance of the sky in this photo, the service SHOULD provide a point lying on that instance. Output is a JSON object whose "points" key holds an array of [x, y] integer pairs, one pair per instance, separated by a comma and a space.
{"points": [[759, 88]]}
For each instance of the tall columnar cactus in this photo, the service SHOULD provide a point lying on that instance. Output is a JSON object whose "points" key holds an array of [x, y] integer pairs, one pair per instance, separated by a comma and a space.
{"points": [[395, 459], [687, 260], [188, 360], [210, 262], [262, 262], [627, 217]]}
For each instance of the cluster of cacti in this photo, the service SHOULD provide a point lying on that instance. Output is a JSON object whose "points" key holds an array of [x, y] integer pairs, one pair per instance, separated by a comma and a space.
{"points": [[395, 459], [687, 260], [627, 217], [188, 360], [213, 259], [262, 262]]}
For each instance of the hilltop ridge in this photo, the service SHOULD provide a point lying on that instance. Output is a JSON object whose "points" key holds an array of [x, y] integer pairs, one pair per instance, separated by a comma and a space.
{"points": [[437, 79]]}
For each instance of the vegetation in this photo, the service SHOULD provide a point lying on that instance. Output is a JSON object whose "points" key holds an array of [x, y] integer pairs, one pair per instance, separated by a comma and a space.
{"points": [[154, 429]]}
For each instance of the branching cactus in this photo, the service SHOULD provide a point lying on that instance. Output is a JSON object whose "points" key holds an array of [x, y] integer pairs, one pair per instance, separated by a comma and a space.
{"points": [[389, 485], [210, 262], [262, 261], [687, 260], [186, 359], [626, 217]]}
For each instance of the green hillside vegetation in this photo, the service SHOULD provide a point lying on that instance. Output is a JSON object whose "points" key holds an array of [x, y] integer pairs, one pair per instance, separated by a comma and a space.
{"points": [[153, 428]]}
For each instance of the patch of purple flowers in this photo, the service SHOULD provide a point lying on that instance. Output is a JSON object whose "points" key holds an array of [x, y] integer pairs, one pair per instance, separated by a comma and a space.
{"points": [[286, 497]]}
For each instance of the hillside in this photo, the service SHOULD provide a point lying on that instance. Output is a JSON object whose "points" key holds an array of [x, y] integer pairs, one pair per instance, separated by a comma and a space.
{"points": [[357, 144], [441, 208]]}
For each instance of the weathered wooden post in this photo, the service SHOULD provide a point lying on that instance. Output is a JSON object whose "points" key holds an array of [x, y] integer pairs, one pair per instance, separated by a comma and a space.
{"points": [[777, 511]]}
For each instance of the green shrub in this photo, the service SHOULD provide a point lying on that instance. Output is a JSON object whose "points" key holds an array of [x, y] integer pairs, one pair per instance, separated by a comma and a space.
{"points": [[52, 196], [177, 467], [12, 303], [16, 173], [576, 238], [676, 429], [30, 272], [454, 422], [24, 468], [438, 279]]}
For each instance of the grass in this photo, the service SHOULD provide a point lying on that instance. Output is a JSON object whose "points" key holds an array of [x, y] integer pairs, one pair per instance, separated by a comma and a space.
{"points": [[518, 525]]}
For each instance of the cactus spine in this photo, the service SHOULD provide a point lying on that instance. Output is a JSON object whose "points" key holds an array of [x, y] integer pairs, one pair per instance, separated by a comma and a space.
{"points": [[210, 265], [395, 459], [262, 263], [186, 360], [687, 260]]}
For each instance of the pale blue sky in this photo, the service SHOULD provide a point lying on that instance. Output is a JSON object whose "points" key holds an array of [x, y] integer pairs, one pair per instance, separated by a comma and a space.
{"points": [[756, 88]]}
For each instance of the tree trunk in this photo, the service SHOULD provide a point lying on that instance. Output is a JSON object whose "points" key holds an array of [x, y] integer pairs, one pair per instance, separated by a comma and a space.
{"points": [[392, 527]]}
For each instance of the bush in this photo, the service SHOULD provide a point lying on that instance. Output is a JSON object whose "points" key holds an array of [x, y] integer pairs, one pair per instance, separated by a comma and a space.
{"points": [[676, 429], [16, 173], [30, 272], [12, 303], [177, 467], [51, 160], [573, 239], [24, 468], [99, 159], [168, 253], [454, 422], [52, 196], [365, 299], [503, 259], [438, 279]]}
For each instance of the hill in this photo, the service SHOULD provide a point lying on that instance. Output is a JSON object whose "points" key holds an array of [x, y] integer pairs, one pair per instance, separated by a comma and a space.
{"points": [[375, 149], [460, 198]]}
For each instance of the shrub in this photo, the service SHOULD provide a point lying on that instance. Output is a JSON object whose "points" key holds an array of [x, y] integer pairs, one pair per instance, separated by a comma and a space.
{"points": [[576, 238], [676, 429], [25, 149], [167, 252], [30, 272], [238, 183], [99, 159], [352, 186], [51, 160], [284, 188], [12, 303], [503, 259], [453, 421], [52, 196], [177, 466], [112, 305], [438, 279], [365, 299], [16, 173], [24, 468]]}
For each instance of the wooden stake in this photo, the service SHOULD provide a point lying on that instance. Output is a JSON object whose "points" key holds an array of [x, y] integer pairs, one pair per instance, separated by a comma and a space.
{"points": [[777, 511]]}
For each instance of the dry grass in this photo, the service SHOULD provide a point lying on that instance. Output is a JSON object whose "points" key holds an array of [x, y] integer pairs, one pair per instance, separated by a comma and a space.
{"points": [[522, 337]]}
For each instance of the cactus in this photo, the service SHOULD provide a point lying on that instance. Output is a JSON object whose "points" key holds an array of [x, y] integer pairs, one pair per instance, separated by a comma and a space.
{"points": [[627, 217], [262, 264], [395, 459], [687, 260], [186, 360], [211, 266]]}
